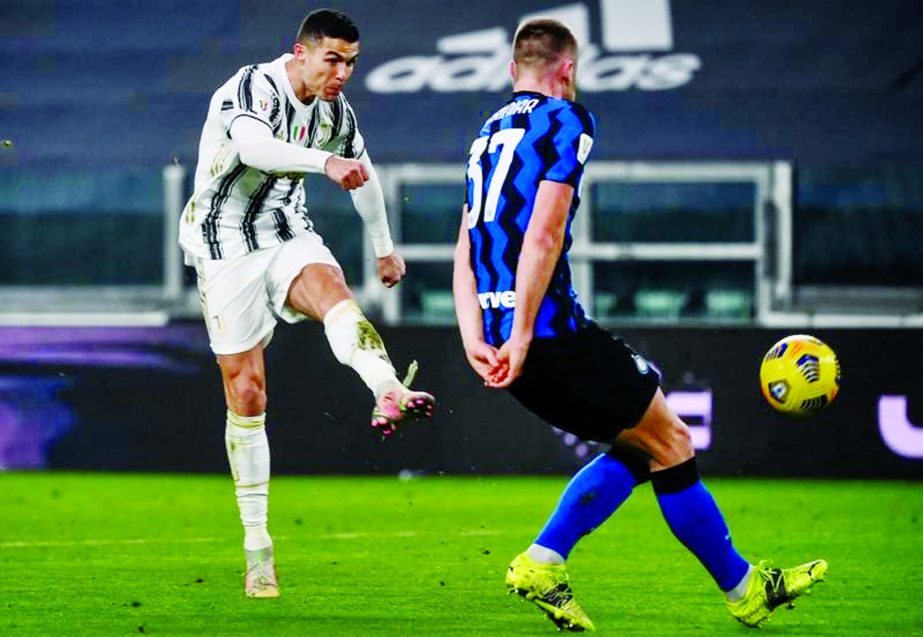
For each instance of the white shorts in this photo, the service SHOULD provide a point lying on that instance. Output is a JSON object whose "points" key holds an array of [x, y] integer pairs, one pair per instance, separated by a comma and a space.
{"points": [[243, 298]]}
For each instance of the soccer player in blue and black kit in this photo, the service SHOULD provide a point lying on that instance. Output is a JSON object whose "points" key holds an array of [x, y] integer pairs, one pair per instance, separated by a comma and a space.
{"points": [[523, 329]]}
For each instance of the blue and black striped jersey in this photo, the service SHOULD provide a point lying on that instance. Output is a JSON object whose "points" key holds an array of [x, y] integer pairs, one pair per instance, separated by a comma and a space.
{"points": [[530, 139]]}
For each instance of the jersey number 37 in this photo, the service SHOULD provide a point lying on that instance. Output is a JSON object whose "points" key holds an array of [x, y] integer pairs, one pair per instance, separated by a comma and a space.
{"points": [[504, 143]]}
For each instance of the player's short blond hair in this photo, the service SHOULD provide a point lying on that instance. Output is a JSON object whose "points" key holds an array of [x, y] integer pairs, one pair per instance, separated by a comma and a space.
{"points": [[543, 41]]}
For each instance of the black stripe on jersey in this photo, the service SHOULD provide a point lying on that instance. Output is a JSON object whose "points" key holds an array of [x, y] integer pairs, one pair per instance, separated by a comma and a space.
{"points": [[312, 126], [507, 217], [210, 225], [520, 120], [227, 105], [548, 150], [302, 209], [336, 109], [586, 122], [587, 127], [571, 176], [274, 116], [257, 199], [348, 150], [272, 82], [283, 228], [291, 191], [244, 94], [276, 109], [289, 118], [558, 290]]}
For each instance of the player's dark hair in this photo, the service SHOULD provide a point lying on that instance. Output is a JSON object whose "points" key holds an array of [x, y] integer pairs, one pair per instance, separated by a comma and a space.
{"points": [[543, 41], [328, 23]]}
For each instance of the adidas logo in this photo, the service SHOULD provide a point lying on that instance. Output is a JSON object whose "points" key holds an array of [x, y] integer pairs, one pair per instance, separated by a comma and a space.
{"points": [[634, 33]]}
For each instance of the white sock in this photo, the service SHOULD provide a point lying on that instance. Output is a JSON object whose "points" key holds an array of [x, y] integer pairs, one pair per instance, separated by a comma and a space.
{"points": [[248, 455], [544, 555], [738, 591], [356, 344]]}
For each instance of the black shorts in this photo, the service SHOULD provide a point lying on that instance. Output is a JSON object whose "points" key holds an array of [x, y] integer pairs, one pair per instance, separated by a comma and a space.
{"points": [[590, 383]]}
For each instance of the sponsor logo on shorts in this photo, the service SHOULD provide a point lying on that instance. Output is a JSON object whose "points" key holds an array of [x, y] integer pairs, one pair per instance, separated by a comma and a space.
{"points": [[640, 363]]}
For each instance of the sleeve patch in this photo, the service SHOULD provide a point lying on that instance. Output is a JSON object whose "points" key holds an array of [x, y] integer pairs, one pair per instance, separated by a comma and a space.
{"points": [[584, 147]]}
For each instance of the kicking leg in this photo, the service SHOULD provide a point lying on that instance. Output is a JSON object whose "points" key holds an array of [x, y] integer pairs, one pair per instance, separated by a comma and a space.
{"points": [[320, 292], [248, 455]]}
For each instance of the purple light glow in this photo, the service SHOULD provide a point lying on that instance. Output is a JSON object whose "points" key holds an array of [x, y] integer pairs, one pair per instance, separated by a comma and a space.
{"points": [[31, 417], [32, 412], [100, 347], [698, 405], [899, 434]]}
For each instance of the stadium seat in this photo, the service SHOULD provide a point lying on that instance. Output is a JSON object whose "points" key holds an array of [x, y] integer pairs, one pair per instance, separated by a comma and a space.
{"points": [[438, 306], [728, 304], [660, 303], [605, 304]]}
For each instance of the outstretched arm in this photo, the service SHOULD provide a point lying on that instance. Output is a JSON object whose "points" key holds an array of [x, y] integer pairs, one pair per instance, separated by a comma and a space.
{"points": [[259, 149], [541, 249], [481, 356]]}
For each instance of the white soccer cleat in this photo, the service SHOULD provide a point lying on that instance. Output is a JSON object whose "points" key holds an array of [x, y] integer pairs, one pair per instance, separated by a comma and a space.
{"points": [[260, 578]]}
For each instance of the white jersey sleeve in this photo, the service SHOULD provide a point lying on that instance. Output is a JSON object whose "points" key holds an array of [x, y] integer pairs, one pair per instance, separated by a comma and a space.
{"points": [[258, 149], [369, 201]]}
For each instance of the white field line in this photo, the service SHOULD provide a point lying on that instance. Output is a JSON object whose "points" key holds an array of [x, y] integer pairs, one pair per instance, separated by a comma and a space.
{"points": [[210, 540]]}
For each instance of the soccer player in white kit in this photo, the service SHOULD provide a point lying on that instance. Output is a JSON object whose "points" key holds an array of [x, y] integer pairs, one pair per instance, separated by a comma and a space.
{"points": [[247, 232]]}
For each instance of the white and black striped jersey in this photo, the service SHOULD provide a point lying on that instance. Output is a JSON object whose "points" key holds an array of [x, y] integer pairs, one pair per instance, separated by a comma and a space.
{"points": [[236, 208]]}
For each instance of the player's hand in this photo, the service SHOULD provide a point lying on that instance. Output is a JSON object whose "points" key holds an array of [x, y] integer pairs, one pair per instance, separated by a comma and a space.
{"points": [[483, 360], [511, 357], [391, 269], [349, 174]]}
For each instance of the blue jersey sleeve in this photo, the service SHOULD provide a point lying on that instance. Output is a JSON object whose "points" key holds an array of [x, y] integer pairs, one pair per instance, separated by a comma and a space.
{"points": [[569, 143]]}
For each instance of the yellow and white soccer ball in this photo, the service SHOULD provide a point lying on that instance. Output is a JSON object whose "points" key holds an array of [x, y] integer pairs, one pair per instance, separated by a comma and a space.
{"points": [[800, 375]]}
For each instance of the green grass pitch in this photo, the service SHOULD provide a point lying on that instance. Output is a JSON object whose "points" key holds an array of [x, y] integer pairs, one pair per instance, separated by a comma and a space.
{"points": [[90, 554]]}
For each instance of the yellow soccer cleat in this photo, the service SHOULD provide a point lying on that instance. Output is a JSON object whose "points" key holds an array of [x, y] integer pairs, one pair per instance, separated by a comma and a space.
{"points": [[548, 587], [260, 578], [770, 588]]}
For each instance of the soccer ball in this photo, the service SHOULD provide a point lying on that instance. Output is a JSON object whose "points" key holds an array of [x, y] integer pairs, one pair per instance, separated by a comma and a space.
{"points": [[800, 375]]}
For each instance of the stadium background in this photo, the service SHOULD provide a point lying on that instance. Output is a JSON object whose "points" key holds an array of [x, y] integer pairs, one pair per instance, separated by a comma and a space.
{"points": [[760, 173]]}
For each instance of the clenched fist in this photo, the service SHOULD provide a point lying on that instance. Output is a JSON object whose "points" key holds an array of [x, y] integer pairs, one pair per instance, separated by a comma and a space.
{"points": [[348, 173]]}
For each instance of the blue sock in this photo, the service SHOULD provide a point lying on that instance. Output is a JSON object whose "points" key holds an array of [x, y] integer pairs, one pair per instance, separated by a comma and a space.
{"points": [[592, 495], [694, 517]]}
